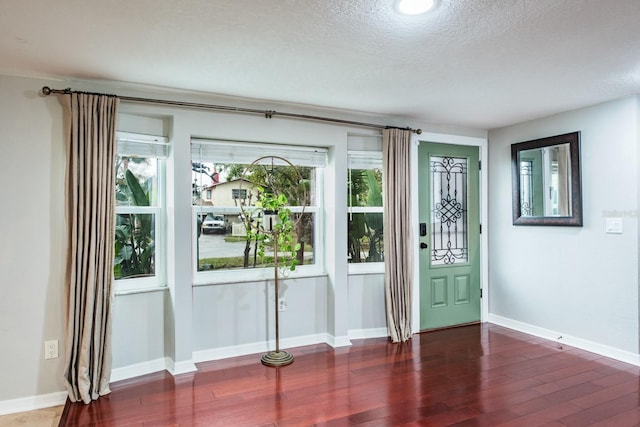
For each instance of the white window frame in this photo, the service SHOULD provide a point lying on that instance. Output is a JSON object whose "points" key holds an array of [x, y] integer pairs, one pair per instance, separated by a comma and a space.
{"points": [[357, 159], [142, 145], [245, 152]]}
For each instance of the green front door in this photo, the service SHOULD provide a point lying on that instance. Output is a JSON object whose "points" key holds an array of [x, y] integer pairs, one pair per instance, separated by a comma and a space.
{"points": [[449, 235]]}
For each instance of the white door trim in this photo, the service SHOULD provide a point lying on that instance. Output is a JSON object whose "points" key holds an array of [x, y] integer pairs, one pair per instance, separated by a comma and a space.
{"points": [[484, 215]]}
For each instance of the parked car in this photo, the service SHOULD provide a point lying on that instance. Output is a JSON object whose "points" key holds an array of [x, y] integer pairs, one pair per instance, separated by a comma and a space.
{"points": [[213, 224]]}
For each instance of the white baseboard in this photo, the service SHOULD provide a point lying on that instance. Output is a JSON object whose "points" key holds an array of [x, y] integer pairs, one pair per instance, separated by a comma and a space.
{"points": [[138, 369], [257, 347], [359, 334], [156, 365], [182, 367], [300, 341], [341, 341], [166, 363], [231, 351], [560, 337], [32, 403]]}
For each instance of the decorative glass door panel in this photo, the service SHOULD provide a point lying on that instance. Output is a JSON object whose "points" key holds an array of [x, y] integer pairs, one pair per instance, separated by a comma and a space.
{"points": [[449, 214]]}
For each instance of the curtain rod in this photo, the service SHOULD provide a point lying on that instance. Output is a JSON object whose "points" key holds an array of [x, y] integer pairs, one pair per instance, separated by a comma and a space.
{"points": [[268, 114]]}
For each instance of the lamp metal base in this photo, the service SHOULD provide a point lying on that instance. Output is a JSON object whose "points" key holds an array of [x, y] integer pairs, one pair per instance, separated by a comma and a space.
{"points": [[277, 358]]}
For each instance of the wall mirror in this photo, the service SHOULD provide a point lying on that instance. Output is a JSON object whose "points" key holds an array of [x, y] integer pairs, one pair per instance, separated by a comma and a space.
{"points": [[545, 177]]}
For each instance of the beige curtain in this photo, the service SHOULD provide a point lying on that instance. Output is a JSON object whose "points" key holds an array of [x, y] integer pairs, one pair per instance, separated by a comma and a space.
{"points": [[90, 131], [398, 253]]}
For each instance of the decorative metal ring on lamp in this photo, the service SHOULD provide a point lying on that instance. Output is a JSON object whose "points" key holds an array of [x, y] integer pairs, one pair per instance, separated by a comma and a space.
{"points": [[242, 202]]}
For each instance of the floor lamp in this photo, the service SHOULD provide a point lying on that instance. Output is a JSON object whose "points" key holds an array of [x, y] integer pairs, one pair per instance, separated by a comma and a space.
{"points": [[269, 221]]}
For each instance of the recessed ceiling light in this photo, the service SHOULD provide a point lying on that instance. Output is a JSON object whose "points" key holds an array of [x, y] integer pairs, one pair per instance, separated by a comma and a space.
{"points": [[415, 7]]}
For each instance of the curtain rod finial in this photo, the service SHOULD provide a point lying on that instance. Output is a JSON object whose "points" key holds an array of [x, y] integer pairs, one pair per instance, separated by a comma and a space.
{"points": [[46, 90], [418, 131]]}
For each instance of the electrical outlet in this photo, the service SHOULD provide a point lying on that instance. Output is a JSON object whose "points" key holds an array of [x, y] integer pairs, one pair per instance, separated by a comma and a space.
{"points": [[282, 304], [51, 349]]}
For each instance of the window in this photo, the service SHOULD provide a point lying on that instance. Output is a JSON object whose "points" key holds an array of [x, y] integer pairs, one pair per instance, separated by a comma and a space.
{"points": [[223, 167], [138, 241], [239, 193], [365, 211]]}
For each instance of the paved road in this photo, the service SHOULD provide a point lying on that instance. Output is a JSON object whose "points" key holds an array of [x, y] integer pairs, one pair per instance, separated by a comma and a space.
{"points": [[214, 246]]}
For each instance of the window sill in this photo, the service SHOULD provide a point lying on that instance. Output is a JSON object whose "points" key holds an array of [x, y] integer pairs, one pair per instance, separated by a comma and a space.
{"points": [[140, 291], [224, 278], [366, 268]]}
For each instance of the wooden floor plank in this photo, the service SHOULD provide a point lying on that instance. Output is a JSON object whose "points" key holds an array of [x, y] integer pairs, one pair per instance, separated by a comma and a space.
{"points": [[477, 375]]}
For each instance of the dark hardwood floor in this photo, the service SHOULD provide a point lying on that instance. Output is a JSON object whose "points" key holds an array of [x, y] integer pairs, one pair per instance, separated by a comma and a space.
{"points": [[479, 375]]}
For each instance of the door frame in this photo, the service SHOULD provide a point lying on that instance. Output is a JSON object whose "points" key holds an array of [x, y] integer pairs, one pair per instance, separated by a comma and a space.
{"points": [[482, 143]]}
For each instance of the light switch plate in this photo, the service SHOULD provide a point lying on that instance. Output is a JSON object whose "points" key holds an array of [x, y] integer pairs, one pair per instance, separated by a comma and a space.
{"points": [[613, 225]]}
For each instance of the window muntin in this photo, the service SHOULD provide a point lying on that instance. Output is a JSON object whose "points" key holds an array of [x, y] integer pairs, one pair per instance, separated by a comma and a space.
{"points": [[230, 252], [138, 242], [365, 209]]}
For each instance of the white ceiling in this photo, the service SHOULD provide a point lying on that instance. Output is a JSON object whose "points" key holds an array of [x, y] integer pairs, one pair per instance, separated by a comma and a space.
{"points": [[472, 63]]}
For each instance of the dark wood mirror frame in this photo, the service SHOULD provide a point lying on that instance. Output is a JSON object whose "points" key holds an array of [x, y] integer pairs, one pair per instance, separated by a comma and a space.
{"points": [[575, 219]]}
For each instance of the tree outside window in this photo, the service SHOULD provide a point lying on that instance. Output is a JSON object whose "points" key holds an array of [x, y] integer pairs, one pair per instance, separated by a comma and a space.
{"points": [[139, 210], [365, 211], [136, 192]]}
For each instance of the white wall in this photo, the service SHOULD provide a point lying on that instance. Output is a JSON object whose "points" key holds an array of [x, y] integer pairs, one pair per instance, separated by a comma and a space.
{"points": [[138, 322], [578, 283], [238, 318], [367, 315], [32, 236]]}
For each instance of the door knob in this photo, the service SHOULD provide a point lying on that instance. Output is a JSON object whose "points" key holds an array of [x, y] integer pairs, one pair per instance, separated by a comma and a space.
{"points": [[423, 245]]}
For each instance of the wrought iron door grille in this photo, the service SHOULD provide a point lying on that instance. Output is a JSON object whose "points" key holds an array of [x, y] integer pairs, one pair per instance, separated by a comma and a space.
{"points": [[449, 234]]}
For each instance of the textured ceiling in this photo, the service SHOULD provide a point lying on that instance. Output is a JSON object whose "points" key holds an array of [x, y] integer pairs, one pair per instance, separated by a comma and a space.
{"points": [[472, 63]]}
